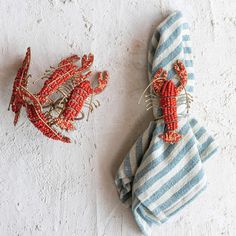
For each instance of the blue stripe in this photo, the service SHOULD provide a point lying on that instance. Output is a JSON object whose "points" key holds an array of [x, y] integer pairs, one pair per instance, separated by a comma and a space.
{"points": [[126, 196], [153, 47], [179, 194], [151, 132], [185, 26], [188, 63], [191, 76], [200, 132], [210, 154], [139, 223], [169, 41], [177, 15], [139, 151], [144, 215], [168, 168], [169, 58], [172, 73], [161, 157], [187, 50], [206, 144], [174, 180], [158, 129], [186, 37], [189, 201], [193, 122], [127, 166], [140, 218], [189, 88]]}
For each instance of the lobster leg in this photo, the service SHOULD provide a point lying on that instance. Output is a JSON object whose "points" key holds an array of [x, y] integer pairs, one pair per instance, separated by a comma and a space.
{"points": [[182, 73], [38, 119]]}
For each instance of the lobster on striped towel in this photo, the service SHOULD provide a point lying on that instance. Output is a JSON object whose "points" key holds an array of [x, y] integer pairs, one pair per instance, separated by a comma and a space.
{"points": [[163, 171], [168, 92]]}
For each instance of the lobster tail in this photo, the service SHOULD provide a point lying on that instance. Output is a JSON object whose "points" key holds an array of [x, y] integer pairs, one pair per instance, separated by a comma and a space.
{"points": [[38, 119], [170, 136], [20, 80]]}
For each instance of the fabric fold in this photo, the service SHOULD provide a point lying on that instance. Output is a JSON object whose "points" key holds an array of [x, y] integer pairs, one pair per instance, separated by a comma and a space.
{"points": [[157, 179]]}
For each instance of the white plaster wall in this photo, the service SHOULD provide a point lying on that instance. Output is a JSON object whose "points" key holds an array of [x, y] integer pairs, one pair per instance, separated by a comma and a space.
{"points": [[48, 188]]}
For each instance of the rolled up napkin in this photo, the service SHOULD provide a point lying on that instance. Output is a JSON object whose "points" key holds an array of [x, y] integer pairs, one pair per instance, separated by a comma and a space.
{"points": [[163, 171]]}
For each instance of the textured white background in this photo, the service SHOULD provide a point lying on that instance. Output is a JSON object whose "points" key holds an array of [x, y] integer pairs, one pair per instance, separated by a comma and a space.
{"points": [[48, 188]]}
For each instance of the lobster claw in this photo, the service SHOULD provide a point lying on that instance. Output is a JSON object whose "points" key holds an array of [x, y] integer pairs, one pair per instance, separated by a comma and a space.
{"points": [[87, 61], [102, 82], [182, 73], [69, 60]]}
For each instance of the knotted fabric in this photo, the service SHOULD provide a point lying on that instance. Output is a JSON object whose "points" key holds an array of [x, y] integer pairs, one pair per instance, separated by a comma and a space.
{"points": [[156, 178]]}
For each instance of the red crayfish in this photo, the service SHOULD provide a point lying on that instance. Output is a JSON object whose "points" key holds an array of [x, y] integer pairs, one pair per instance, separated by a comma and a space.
{"points": [[62, 97], [76, 100], [168, 92]]}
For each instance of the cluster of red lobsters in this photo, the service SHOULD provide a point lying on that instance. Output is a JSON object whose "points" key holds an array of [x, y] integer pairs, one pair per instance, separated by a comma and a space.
{"points": [[60, 101]]}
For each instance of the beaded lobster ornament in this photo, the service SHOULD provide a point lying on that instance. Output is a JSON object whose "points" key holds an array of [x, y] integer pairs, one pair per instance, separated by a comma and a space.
{"points": [[169, 95], [62, 98], [168, 92]]}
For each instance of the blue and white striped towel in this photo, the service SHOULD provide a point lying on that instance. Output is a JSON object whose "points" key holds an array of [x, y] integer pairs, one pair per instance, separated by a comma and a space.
{"points": [[157, 179]]}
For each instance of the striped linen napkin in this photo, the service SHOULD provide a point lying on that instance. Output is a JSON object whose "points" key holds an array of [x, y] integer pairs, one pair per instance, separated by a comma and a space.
{"points": [[157, 179]]}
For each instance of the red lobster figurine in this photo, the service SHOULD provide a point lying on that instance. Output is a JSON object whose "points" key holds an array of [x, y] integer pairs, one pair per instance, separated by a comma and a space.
{"points": [[168, 92], [76, 100], [68, 84]]}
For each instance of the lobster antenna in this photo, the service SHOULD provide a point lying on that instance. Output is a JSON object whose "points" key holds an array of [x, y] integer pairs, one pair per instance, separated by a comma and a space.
{"points": [[91, 100], [188, 100], [147, 89]]}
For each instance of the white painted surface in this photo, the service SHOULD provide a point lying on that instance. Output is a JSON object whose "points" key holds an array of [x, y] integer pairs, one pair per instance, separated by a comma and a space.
{"points": [[49, 188]]}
